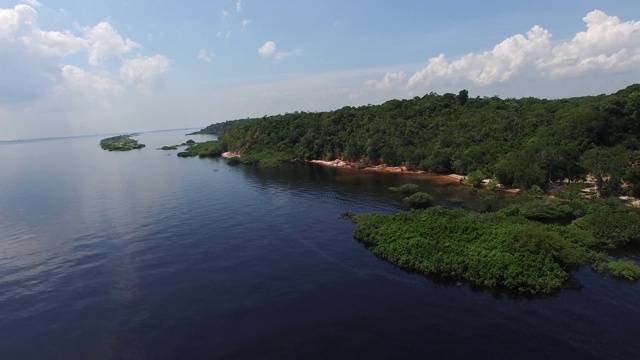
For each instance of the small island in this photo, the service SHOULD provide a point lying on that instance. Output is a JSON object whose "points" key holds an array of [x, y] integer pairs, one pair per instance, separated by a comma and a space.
{"points": [[120, 143]]}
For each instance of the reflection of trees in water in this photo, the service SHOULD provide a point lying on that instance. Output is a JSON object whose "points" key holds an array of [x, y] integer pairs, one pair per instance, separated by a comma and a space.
{"points": [[374, 185]]}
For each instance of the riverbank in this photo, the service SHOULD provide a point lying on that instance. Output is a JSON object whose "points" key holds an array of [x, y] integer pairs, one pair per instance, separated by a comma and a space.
{"points": [[441, 178]]}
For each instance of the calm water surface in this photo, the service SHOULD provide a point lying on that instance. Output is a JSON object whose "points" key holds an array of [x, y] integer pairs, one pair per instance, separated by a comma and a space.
{"points": [[147, 255]]}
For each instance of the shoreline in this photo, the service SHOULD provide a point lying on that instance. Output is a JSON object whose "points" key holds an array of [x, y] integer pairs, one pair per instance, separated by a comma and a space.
{"points": [[443, 178]]}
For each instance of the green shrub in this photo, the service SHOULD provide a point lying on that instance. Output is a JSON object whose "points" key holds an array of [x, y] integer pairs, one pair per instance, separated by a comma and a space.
{"points": [[475, 178], [203, 149], [405, 189], [620, 268], [492, 184], [419, 200], [534, 190], [539, 209], [481, 248], [610, 228]]}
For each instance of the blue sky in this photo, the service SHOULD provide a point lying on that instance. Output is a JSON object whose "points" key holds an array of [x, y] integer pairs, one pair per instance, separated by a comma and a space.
{"points": [[84, 67]]}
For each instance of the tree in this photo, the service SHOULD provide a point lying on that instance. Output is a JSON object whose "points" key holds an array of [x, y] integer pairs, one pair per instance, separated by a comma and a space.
{"points": [[462, 97], [608, 166]]}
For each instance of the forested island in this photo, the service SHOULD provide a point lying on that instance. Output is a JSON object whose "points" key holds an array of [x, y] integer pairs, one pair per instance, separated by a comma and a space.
{"points": [[120, 143], [540, 146]]}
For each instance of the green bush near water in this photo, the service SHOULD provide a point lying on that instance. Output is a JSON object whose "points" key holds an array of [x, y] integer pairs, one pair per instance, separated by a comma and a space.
{"points": [[266, 159], [620, 268], [203, 149], [539, 209], [419, 200], [507, 248], [405, 189]]}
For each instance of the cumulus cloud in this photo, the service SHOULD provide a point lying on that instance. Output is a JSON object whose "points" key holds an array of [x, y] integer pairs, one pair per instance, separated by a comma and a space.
{"points": [[18, 28], [238, 5], [29, 63], [104, 42], [142, 70], [268, 49], [500, 64], [84, 83], [607, 44], [389, 80], [39, 83], [205, 55]]}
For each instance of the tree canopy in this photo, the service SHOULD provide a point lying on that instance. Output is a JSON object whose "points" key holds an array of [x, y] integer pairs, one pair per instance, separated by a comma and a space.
{"points": [[523, 142]]}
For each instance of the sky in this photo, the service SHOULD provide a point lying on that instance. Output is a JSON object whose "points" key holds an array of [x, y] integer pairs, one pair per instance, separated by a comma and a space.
{"points": [[93, 67]]}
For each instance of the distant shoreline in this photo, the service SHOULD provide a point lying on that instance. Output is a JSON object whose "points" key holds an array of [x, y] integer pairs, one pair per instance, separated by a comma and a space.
{"points": [[89, 135]]}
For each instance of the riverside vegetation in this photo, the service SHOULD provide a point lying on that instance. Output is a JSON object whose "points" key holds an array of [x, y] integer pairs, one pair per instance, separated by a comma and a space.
{"points": [[520, 142], [530, 245], [120, 143], [201, 149]]}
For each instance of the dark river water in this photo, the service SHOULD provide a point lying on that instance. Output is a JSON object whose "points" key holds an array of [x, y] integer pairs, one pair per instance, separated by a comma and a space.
{"points": [[144, 255]]}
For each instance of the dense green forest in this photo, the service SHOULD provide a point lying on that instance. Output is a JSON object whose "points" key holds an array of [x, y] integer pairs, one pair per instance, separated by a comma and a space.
{"points": [[521, 142]]}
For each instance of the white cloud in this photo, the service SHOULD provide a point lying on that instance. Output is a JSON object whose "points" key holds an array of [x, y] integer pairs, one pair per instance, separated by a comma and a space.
{"points": [[105, 42], [244, 23], [29, 64], [281, 55], [18, 28], [144, 69], [114, 86], [225, 14], [389, 80], [205, 55], [267, 50], [223, 34], [39, 84], [497, 65], [238, 5], [87, 84], [607, 44]]}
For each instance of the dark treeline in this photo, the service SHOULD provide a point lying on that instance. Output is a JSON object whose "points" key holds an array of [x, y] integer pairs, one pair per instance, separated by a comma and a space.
{"points": [[521, 142], [220, 128]]}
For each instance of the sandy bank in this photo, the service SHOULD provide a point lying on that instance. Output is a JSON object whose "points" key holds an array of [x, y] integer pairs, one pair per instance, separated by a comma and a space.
{"points": [[447, 178], [229, 155], [442, 178]]}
